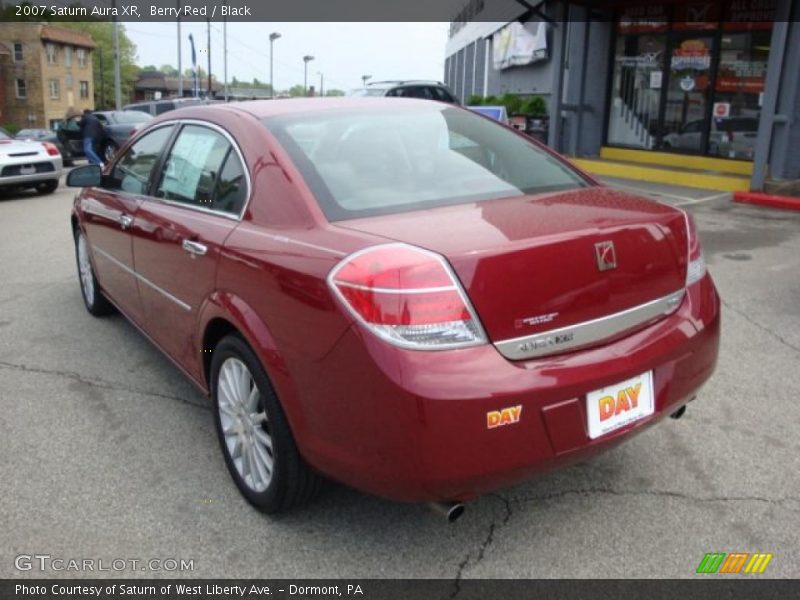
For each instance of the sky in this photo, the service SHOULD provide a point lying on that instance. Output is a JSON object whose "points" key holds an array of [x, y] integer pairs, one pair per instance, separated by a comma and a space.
{"points": [[343, 52]]}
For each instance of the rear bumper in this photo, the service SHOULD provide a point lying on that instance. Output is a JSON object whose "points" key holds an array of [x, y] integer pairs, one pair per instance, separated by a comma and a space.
{"points": [[412, 425], [33, 178]]}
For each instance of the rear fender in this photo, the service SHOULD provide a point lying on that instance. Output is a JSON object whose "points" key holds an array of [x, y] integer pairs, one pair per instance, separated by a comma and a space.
{"points": [[242, 317]]}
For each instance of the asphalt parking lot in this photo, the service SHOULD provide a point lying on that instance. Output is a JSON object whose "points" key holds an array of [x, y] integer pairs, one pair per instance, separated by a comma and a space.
{"points": [[108, 452]]}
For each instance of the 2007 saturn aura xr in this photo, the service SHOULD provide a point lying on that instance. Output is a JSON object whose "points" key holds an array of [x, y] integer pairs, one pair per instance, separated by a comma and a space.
{"points": [[401, 295]]}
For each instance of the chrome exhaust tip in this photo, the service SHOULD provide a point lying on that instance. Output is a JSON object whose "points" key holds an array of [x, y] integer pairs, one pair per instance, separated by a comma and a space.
{"points": [[451, 511]]}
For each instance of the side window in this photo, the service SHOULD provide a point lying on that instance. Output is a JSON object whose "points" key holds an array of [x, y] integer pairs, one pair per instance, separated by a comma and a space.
{"points": [[191, 169], [162, 107], [231, 192], [72, 125], [442, 95], [395, 92], [132, 171], [419, 91]]}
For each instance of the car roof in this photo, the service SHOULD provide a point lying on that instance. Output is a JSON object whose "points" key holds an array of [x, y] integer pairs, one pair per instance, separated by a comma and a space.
{"points": [[399, 82]]}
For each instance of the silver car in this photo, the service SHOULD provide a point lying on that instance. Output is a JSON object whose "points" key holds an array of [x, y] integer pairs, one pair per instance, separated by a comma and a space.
{"points": [[29, 164]]}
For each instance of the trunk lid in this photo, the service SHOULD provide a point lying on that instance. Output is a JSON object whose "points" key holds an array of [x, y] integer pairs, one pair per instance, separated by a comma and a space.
{"points": [[536, 264]]}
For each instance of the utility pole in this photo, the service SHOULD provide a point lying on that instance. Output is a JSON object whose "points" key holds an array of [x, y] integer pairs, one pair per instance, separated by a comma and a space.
{"points": [[117, 79], [306, 59], [225, 55], [272, 37], [321, 80], [208, 44], [180, 66]]}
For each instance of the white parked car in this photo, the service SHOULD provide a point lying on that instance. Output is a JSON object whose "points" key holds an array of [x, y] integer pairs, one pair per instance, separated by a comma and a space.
{"points": [[29, 164]]}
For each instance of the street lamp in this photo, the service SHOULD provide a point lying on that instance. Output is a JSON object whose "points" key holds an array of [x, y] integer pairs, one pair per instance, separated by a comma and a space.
{"points": [[364, 79], [272, 37], [321, 80], [306, 59]]}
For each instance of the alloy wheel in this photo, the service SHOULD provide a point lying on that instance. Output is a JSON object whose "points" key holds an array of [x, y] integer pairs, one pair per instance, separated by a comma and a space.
{"points": [[85, 270], [244, 424]]}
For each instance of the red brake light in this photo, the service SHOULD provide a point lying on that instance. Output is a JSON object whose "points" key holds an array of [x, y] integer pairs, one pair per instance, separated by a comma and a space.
{"points": [[407, 296], [52, 149]]}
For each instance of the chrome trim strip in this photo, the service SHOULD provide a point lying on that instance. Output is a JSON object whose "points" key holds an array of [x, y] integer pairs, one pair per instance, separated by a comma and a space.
{"points": [[144, 280], [588, 332]]}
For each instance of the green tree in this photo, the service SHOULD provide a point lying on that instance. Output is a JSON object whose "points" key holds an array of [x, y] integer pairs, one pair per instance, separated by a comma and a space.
{"points": [[168, 70], [201, 72], [102, 34], [296, 91], [334, 92]]}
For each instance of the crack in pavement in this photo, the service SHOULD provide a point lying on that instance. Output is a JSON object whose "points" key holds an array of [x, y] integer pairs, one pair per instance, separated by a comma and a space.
{"points": [[764, 328], [780, 502], [508, 511], [487, 541], [98, 383]]}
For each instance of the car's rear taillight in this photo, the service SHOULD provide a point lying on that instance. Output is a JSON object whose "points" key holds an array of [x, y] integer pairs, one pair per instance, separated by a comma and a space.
{"points": [[52, 149], [697, 264], [408, 297]]}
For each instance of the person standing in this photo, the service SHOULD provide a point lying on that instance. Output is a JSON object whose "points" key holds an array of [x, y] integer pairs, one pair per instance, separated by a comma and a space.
{"points": [[92, 131]]}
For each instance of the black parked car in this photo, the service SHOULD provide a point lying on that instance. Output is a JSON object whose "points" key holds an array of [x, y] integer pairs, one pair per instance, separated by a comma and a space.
{"points": [[416, 88], [118, 126]]}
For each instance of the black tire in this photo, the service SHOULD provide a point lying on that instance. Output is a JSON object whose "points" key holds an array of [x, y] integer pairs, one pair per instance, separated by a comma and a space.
{"points": [[109, 151], [96, 303], [47, 187], [292, 482]]}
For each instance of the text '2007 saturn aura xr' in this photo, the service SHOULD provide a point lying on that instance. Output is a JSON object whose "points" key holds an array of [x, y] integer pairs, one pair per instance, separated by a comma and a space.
{"points": [[400, 295]]}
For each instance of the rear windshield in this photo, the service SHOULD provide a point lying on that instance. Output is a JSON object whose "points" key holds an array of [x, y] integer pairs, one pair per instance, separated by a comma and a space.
{"points": [[369, 92], [369, 161]]}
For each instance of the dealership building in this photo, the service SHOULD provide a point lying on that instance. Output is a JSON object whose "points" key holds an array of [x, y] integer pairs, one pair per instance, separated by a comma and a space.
{"points": [[703, 93]]}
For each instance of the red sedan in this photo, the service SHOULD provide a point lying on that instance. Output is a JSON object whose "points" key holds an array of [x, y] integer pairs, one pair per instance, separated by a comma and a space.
{"points": [[400, 295]]}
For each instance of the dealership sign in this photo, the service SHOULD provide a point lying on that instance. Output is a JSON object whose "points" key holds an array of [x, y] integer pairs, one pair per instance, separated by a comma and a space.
{"points": [[515, 46]]}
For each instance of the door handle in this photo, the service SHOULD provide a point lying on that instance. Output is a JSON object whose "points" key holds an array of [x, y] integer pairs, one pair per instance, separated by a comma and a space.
{"points": [[125, 221], [195, 248]]}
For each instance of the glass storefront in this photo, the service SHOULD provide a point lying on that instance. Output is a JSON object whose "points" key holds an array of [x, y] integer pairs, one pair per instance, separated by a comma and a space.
{"points": [[689, 78]]}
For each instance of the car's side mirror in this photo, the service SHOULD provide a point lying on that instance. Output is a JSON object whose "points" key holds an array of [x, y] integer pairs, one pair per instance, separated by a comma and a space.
{"points": [[86, 176]]}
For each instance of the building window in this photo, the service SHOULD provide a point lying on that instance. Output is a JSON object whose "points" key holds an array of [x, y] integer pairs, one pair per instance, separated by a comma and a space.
{"points": [[22, 90], [51, 54], [54, 91], [18, 52], [67, 56], [81, 57], [84, 90]]}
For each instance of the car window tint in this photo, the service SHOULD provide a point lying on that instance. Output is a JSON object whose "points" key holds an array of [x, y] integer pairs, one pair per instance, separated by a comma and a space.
{"points": [[191, 169], [441, 95], [231, 192], [72, 125], [163, 107], [132, 171]]}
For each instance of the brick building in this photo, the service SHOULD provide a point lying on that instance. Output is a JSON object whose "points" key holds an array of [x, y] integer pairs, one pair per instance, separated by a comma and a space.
{"points": [[45, 72]]}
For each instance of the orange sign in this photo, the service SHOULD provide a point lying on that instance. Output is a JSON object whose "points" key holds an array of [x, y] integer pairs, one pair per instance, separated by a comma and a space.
{"points": [[505, 416], [626, 399]]}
